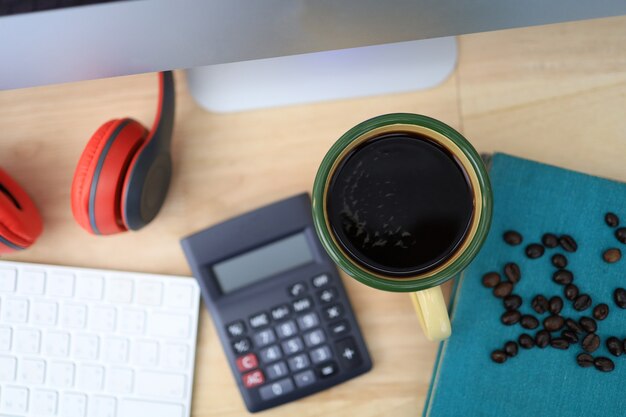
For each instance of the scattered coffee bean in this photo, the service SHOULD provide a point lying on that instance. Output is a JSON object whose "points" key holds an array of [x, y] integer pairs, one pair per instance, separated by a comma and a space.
{"points": [[555, 305], [542, 339], [619, 296], [614, 346], [584, 360], [540, 304], [568, 243], [559, 343], [611, 219], [553, 323], [491, 279], [510, 317], [529, 322], [526, 341], [563, 277], [510, 348], [512, 272], [601, 311], [498, 356], [624, 344], [582, 302], [591, 342], [534, 250], [503, 289], [512, 302], [573, 326], [512, 237], [612, 255], [570, 336], [620, 234], [550, 240], [588, 324], [603, 364], [570, 292], [560, 261]]}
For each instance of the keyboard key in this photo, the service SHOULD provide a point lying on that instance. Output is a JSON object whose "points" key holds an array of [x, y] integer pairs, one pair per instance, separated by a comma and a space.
{"points": [[85, 347], [259, 320], [44, 313], [175, 357], [7, 279], [179, 296], [320, 281], [270, 354], [89, 286], [160, 385], [90, 377], [132, 321], [327, 370], [150, 293], [247, 362], [264, 338], [74, 316], [102, 407], [348, 352], [276, 370], [236, 329], [6, 335], [57, 344], [115, 350], [340, 328], [102, 319], [333, 312], [61, 374], [281, 312], [242, 346], [297, 290], [302, 304], [73, 405], [298, 362], [293, 345], [320, 354], [119, 290], [136, 408], [145, 353], [32, 371], [169, 325], [286, 329], [27, 341], [15, 310], [44, 402], [314, 338], [252, 379], [308, 321], [60, 284], [328, 295], [31, 282], [304, 379], [276, 389], [120, 381], [8, 366], [14, 400]]}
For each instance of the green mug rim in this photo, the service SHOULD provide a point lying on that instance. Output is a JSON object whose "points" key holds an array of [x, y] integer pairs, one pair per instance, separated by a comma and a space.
{"points": [[359, 273]]}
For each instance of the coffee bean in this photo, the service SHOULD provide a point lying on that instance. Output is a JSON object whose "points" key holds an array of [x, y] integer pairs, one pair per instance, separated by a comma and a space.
{"points": [[512, 237], [510, 317], [491, 279], [559, 343], [529, 322], [601, 311], [498, 356], [555, 305], [550, 240], [568, 243], [620, 234], [503, 289], [611, 219], [603, 364], [624, 344], [512, 272], [612, 255], [542, 339], [584, 360], [614, 346], [619, 296], [560, 261], [588, 324], [582, 302], [526, 341], [570, 336], [540, 304], [512, 302], [510, 348], [563, 277], [573, 326], [534, 250], [570, 292], [553, 323], [591, 342]]}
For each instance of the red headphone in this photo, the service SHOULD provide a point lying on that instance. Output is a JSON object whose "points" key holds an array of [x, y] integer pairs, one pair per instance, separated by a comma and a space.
{"points": [[120, 182]]}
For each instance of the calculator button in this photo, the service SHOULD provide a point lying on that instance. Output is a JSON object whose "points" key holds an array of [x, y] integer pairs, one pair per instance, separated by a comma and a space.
{"points": [[327, 369], [320, 281], [247, 362], [276, 370], [328, 295], [293, 345], [320, 354], [308, 321], [348, 353], [304, 378], [259, 320], [302, 304], [236, 329], [276, 389], [280, 312], [333, 312], [339, 328], [297, 290], [264, 337], [286, 329], [270, 354], [252, 379], [314, 338], [298, 362], [242, 346]]}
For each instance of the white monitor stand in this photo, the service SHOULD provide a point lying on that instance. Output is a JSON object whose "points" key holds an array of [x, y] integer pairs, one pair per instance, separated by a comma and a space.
{"points": [[321, 76]]}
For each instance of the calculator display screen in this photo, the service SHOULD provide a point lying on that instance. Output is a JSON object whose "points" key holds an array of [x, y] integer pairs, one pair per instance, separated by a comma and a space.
{"points": [[264, 262]]}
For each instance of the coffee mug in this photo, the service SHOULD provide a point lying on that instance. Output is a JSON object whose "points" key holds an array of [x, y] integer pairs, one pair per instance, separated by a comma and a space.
{"points": [[402, 202]]}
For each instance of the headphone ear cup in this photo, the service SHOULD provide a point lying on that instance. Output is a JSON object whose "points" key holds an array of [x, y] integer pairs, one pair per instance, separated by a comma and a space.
{"points": [[20, 221]]}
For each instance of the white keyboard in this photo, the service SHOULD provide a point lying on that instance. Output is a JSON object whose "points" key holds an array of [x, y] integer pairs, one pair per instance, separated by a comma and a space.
{"points": [[93, 343]]}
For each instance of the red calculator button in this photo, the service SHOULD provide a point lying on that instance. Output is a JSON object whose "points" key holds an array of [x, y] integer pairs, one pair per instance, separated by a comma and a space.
{"points": [[254, 378], [247, 362]]}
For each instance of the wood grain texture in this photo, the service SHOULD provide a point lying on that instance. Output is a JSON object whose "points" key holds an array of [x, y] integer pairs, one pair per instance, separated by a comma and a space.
{"points": [[554, 93]]}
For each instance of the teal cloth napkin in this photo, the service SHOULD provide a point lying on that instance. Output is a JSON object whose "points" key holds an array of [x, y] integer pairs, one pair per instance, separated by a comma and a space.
{"points": [[533, 198]]}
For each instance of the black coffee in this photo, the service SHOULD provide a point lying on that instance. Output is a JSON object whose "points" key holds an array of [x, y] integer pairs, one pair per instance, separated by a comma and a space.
{"points": [[400, 204]]}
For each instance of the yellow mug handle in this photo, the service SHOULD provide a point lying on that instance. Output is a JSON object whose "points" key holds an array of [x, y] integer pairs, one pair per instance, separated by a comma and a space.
{"points": [[432, 313]]}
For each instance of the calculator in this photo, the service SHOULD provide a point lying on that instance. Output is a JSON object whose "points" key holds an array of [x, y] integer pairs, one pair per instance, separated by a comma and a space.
{"points": [[278, 303]]}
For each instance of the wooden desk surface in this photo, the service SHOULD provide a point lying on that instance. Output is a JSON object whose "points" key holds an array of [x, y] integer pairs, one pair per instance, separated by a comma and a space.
{"points": [[556, 94]]}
